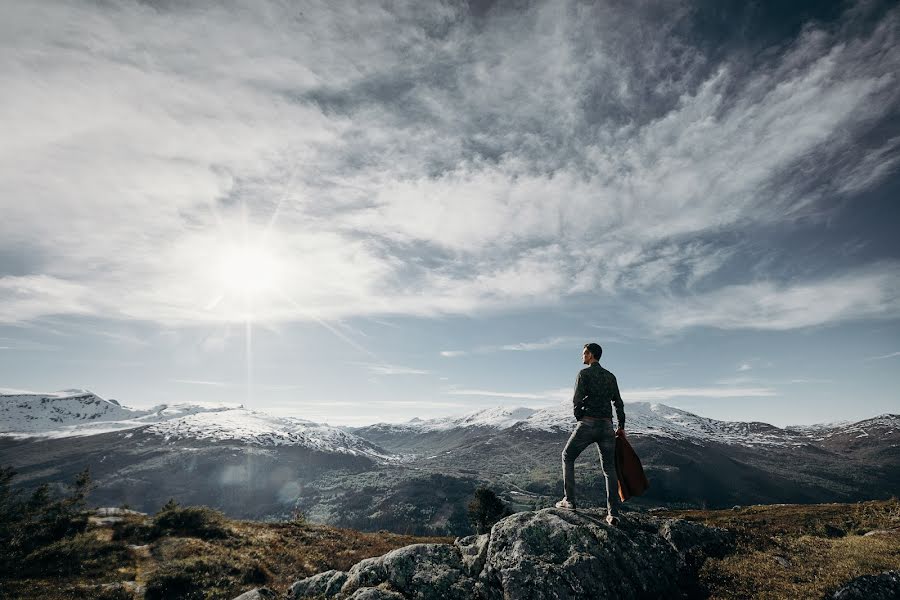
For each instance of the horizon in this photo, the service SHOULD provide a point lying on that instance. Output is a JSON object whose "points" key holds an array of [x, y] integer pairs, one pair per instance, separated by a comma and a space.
{"points": [[348, 214]]}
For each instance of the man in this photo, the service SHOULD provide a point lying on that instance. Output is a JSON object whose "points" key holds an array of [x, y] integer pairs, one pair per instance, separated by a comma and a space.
{"points": [[596, 390]]}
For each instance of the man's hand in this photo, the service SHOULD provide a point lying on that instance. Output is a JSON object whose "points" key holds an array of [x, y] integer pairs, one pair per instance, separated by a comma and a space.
{"points": [[620, 430]]}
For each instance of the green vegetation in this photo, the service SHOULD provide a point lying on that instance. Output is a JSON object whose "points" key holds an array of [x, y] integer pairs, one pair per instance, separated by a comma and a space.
{"points": [[485, 509]]}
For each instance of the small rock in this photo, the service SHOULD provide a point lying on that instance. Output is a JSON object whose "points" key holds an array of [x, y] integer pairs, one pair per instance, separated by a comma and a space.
{"points": [[885, 586], [882, 532], [736, 507], [782, 561], [258, 594]]}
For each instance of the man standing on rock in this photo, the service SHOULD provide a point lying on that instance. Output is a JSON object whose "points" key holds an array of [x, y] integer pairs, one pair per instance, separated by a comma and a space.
{"points": [[596, 390]]}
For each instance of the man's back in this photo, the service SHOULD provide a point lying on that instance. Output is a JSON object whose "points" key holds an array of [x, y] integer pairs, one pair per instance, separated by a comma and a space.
{"points": [[596, 390]]}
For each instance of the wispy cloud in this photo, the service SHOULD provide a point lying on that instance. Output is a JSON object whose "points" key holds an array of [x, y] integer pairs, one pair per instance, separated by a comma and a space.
{"points": [[500, 394], [205, 382], [884, 356], [545, 344], [745, 367], [395, 370], [153, 122], [554, 342], [655, 394], [863, 293]]}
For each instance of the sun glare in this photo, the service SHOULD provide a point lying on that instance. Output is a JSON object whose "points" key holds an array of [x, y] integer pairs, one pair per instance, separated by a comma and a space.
{"points": [[251, 271]]}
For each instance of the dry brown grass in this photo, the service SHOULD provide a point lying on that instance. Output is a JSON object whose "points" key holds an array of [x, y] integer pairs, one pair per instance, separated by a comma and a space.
{"points": [[252, 555], [787, 551]]}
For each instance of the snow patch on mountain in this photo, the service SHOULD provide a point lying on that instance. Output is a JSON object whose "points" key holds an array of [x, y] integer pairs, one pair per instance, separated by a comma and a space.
{"points": [[253, 427], [499, 417], [72, 413], [27, 412]]}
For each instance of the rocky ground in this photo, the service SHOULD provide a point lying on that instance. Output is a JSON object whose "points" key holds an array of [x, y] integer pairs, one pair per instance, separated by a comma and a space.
{"points": [[766, 551]]}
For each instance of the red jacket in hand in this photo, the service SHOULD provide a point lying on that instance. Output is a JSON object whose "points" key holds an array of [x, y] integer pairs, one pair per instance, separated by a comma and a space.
{"points": [[632, 481]]}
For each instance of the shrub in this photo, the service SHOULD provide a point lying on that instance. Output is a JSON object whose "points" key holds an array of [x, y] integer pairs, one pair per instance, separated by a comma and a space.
{"points": [[485, 509], [27, 524], [191, 521], [201, 578], [81, 554], [135, 530]]}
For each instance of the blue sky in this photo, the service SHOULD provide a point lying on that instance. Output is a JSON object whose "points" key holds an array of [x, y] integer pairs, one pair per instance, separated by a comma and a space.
{"points": [[421, 209]]}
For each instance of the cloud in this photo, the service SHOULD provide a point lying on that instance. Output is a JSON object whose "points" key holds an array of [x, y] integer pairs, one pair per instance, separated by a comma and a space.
{"points": [[417, 159], [857, 294], [544, 344], [500, 394], [204, 382], [395, 370], [884, 356], [657, 394], [744, 367]]}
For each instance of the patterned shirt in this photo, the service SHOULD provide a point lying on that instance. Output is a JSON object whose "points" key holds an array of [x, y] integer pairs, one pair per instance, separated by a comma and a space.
{"points": [[596, 390]]}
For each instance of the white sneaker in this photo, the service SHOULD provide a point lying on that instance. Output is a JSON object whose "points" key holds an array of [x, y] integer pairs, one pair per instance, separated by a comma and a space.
{"points": [[612, 520], [565, 504]]}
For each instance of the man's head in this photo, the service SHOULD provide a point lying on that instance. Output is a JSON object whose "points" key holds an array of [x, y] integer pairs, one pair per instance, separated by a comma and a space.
{"points": [[592, 353]]}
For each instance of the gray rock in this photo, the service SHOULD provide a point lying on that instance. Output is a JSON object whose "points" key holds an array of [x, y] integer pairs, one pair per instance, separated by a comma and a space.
{"points": [[693, 538], [258, 594], [326, 584], [885, 586], [375, 594], [556, 554], [473, 551], [880, 532], [419, 571], [543, 555]]}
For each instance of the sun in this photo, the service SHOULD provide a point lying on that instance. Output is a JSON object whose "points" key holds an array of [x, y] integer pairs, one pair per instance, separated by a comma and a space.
{"points": [[253, 272]]}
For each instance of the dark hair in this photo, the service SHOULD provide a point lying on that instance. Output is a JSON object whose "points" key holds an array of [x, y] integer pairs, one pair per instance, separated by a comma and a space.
{"points": [[594, 349]]}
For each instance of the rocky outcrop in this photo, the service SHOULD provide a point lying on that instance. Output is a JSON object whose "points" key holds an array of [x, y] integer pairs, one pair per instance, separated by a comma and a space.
{"points": [[549, 554], [885, 586]]}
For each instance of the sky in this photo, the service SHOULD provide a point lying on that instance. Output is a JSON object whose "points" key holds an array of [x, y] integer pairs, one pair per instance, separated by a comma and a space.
{"points": [[359, 213]]}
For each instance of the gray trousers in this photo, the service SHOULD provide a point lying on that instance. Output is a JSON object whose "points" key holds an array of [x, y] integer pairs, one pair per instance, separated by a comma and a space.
{"points": [[585, 434]]}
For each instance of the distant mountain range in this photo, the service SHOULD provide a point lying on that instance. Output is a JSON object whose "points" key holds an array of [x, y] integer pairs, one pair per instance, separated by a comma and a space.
{"points": [[417, 476]]}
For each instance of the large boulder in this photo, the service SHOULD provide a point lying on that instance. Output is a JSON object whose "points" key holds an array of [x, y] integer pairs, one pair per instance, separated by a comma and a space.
{"points": [[550, 554]]}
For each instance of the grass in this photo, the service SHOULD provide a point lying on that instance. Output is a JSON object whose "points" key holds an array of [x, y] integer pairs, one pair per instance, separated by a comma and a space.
{"points": [[783, 551], [192, 556], [799, 551]]}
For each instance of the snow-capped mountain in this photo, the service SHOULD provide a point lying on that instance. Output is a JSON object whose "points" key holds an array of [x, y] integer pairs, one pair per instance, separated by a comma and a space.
{"points": [[27, 412], [72, 413], [387, 476], [498, 417], [253, 427], [642, 418]]}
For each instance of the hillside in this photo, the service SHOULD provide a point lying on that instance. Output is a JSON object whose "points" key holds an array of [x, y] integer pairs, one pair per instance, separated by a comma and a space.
{"points": [[779, 552], [413, 478]]}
